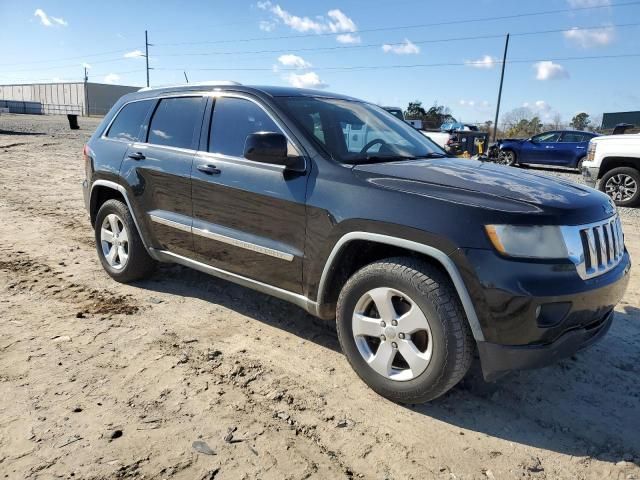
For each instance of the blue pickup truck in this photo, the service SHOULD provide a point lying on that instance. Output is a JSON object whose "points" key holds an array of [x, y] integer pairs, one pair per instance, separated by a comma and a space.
{"points": [[565, 148]]}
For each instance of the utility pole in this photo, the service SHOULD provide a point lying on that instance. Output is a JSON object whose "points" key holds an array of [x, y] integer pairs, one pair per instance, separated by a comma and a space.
{"points": [[504, 61], [146, 53], [185, 76], [86, 92]]}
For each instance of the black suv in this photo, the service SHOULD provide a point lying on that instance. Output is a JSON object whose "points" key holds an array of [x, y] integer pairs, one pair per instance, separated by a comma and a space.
{"points": [[336, 205]]}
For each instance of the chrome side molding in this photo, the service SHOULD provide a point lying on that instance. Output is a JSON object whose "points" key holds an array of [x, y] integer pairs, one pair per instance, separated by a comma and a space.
{"points": [[295, 298]]}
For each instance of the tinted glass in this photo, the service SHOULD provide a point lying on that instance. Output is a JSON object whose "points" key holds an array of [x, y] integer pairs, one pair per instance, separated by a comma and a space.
{"points": [[233, 120], [574, 138], [127, 124], [174, 121], [546, 137]]}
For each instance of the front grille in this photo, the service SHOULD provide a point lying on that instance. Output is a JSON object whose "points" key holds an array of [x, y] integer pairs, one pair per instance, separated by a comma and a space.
{"points": [[601, 247]]}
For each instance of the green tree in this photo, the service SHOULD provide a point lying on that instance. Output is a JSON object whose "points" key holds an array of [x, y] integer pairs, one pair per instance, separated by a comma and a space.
{"points": [[415, 111], [581, 121]]}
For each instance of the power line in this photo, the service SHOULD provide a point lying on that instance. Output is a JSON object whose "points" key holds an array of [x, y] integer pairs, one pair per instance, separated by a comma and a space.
{"points": [[78, 57], [406, 27], [417, 42], [415, 65]]}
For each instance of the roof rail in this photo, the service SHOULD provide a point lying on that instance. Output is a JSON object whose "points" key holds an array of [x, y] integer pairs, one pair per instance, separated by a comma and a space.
{"points": [[208, 83]]}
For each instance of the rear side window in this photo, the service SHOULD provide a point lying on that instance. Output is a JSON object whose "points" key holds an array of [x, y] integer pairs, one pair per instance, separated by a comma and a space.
{"points": [[129, 122], [174, 121], [574, 138], [233, 120]]}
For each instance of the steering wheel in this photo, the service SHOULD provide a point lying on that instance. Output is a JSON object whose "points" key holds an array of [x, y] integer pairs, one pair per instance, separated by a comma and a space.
{"points": [[372, 143]]}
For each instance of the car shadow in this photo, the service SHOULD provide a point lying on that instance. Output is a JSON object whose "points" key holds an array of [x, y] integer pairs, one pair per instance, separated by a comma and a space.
{"points": [[587, 405], [186, 282]]}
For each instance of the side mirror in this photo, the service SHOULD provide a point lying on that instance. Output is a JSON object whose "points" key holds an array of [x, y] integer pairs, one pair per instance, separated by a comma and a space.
{"points": [[266, 147]]}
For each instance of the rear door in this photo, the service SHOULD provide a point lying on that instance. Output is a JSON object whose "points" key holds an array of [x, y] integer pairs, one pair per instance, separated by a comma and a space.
{"points": [[571, 147], [249, 217], [158, 169]]}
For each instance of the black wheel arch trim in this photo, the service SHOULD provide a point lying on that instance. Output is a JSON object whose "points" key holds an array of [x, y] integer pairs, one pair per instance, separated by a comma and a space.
{"points": [[123, 191], [438, 255]]}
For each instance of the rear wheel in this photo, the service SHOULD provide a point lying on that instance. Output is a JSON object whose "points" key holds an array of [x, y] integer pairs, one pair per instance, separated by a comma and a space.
{"points": [[119, 246], [402, 328], [622, 184], [580, 162]]}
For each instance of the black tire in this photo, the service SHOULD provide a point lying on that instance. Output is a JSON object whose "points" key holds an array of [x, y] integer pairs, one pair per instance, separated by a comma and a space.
{"points": [[431, 290], [139, 264], [508, 158], [612, 176], [579, 164]]}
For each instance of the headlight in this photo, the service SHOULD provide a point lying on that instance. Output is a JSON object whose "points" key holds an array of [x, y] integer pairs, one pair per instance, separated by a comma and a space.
{"points": [[528, 241], [591, 151]]}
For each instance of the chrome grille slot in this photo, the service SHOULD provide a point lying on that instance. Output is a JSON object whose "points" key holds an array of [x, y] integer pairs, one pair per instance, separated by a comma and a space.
{"points": [[602, 246]]}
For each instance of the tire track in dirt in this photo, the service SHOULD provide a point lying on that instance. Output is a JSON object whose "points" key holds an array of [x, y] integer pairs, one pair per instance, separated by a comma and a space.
{"points": [[46, 281]]}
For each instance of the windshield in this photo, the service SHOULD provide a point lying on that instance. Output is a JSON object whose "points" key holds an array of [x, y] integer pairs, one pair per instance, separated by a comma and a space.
{"points": [[357, 132]]}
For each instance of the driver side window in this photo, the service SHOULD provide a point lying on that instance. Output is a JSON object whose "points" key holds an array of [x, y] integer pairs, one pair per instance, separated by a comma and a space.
{"points": [[549, 137]]}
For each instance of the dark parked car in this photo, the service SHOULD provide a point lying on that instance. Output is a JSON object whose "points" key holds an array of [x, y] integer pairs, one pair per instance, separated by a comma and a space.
{"points": [[567, 148], [421, 259]]}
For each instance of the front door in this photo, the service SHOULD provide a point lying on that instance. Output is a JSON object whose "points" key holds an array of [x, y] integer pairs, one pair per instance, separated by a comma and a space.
{"points": [[248, 217], [541, 149]]}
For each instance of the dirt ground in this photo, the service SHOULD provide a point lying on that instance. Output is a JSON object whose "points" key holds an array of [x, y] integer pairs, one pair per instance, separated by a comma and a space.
{"points": [[100, 380]]}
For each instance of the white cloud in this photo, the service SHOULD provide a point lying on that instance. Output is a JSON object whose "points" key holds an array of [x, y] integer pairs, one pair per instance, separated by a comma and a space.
{"points": [[548, 70], [134, 54], [337, 22], [593, 37], [348, 38], [588, 3], [486, 61], [48, 21], [405, 48], [306, 80], [266, 26], [295, 61], [340, 22], [111, 78]]}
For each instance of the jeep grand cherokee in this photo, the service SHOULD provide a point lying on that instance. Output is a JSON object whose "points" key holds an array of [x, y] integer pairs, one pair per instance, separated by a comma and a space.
{"points": [[339, 207]]}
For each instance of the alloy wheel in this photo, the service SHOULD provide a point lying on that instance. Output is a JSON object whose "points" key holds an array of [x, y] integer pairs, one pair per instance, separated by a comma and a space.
{"points": [[114, 240], [506, 157], [392, 334], [621, 187]]}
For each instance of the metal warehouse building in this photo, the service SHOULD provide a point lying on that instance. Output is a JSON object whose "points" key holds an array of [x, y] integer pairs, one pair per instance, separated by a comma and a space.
{"points": [[610, 120], [61, 98]]}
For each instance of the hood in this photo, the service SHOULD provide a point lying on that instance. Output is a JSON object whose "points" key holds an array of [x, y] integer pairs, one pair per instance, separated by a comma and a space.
{"points": [[490, 186]]}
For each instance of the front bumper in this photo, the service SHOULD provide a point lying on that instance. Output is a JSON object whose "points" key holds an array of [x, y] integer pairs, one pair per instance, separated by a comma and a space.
{"points": [[497, 360], [534, 313], [590, 175]]}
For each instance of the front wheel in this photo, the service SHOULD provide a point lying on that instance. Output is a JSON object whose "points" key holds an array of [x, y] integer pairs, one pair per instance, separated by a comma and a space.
{"points": [[622, 184], [401, 326], [507, 157]]}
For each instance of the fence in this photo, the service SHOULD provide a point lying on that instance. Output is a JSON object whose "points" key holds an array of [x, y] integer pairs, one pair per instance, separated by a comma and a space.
{"points": [[38, 108]]}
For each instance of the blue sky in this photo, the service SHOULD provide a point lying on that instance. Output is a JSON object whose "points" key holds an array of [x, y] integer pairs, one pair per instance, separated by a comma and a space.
{"points": [[46, 40]]}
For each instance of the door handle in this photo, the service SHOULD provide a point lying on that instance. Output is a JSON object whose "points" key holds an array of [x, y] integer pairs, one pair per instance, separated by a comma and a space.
{"points": [[548, 146], [581, 148], [209, 169], [136, 156]]}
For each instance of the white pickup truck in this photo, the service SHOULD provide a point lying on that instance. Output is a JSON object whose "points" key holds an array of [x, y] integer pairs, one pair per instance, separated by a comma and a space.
{"points": [[613, 165]]}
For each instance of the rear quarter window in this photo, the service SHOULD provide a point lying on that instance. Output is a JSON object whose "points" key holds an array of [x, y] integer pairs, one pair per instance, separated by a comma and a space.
{"points": [[127, 125]]}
